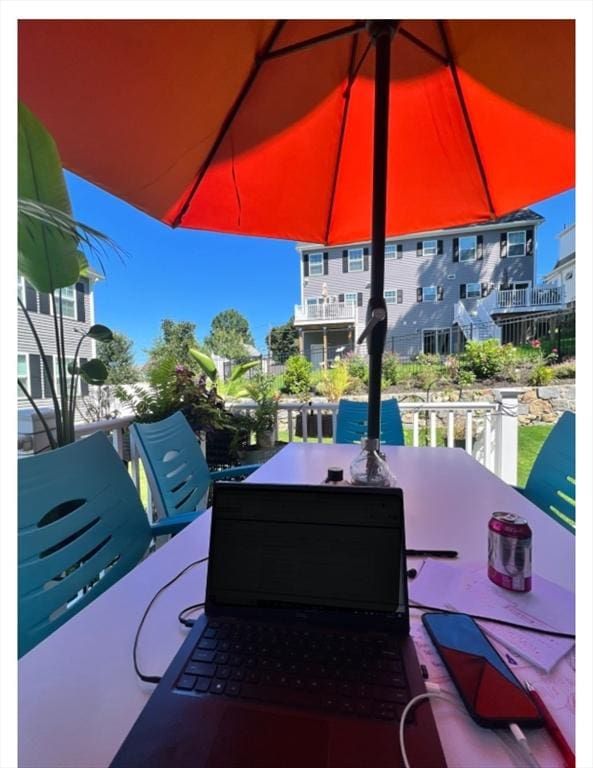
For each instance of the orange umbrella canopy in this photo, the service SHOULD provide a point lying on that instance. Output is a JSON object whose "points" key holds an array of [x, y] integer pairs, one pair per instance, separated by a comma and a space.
{"points": [[232, 126]]}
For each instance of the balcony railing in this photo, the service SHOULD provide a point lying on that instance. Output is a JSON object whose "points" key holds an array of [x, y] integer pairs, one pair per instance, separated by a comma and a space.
{"points": [[331, 312], [538, 298]]}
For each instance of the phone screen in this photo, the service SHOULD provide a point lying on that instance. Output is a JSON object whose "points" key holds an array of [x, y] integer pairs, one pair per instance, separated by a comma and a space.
{"points": [[489, 690]]}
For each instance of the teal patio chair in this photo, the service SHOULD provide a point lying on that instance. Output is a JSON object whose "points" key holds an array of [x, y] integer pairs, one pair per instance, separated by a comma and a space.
{"points": [[177, 472], [352, 422], [81, 527], [551, 482]]}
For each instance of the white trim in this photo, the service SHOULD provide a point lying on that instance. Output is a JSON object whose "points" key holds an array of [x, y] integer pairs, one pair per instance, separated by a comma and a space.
{"points": [[20, 286], [361, 260], [436, 247], [351, 301], [479, 295], [51, 305], [22, 397], [392, 253], [475, 248], [394, 292]]}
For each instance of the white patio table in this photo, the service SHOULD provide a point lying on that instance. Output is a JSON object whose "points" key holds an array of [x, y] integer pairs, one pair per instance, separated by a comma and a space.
{"points": [[79, 695]]}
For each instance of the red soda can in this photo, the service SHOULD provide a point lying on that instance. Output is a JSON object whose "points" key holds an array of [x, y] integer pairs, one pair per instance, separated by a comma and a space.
{"points": [[509, 552]]}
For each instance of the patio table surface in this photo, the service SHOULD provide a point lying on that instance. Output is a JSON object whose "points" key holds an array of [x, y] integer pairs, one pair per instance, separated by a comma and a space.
{"points": [[79, 695]]}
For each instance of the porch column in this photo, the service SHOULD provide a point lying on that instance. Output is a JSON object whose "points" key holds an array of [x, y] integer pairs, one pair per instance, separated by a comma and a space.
{"points": [[301, 342], [325, 347], [351, 338]]}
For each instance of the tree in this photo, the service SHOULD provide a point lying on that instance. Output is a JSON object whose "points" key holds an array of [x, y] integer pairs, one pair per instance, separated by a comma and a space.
{"points": [[176, 339], [229, 335], [118, 358], [282, 341]]}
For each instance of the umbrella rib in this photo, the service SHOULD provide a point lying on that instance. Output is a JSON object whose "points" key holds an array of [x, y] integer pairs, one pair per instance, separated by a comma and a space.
{"points": [[466, 117], [421, 44], [230, 116], [352, 29], [352, 72]]}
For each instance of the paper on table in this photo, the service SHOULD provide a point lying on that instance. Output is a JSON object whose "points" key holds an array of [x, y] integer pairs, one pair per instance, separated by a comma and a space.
{"points": [[468, 589]]}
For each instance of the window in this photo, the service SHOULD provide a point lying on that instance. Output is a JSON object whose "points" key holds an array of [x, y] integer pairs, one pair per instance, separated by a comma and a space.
{"points": [[355, 260], [467, 248], [517, 243], [569, 275], [390, 297], [390, 251], [68, 374], [21, 288], [313, 302], [473, 291], [351, 298], [68, 301], [436, 342], [429, 248], [429, 294], [315, 263], [23, 375]]}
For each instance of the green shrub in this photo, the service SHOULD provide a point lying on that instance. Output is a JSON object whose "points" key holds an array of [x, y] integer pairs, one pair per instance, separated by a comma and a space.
{"points": [[424, 359], [391, 369], [564, 371], [358, 368], [488, 359], [465, 378], [541, 376], [335, 382], [297, 376]]}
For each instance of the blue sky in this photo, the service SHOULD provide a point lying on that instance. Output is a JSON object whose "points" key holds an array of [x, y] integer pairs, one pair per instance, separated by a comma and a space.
{"points": [[190, 275]]}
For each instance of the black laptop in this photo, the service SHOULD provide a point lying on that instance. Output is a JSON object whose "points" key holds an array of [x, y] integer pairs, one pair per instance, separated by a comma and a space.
{"points": [[302, 658]]}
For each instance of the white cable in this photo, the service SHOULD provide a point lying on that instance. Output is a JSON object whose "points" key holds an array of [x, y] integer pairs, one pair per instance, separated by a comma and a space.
{"points": [[521, 740], [435, 693]]}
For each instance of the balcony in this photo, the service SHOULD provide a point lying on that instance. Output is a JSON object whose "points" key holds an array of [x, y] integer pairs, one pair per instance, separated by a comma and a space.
{"points": [[332, 312], [535, 299]]}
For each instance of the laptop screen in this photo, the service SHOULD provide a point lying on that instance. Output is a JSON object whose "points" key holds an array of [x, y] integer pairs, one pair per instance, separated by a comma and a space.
{"points": [[323, 548]]}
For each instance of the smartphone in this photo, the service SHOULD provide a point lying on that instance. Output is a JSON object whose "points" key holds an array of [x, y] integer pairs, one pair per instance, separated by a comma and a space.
{"points": [[490, 691]]}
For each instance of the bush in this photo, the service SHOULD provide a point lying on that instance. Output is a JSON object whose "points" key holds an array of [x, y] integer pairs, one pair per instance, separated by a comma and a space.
{"points": [[391, 369], [297, 376], [488, 359], [541, 376], [564, 371], [335, 382], [424, 359], [465, 378], [357, 368]]}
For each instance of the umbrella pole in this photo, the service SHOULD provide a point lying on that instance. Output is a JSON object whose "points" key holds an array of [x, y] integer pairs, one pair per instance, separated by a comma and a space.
{"points": [[381, 32]]}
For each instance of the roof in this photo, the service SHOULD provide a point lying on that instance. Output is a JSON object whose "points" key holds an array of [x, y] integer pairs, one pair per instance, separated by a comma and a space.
{"points": [[521, 216], [564, 260]]}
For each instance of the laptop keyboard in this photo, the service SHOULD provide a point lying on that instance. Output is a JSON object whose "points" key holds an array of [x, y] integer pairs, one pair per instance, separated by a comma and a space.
{"points": [[348, 673]]}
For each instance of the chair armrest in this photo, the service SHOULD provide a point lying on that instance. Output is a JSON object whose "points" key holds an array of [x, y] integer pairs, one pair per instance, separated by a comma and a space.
{"points": [[172, 525], [245, 469]]}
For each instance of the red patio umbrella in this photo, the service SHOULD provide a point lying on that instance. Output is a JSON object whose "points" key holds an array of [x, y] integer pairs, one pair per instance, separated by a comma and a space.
{"points": [[301, 129]]}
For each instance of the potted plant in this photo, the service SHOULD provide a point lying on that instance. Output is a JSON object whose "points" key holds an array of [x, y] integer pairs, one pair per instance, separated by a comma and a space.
{"points": [[262, 389]]}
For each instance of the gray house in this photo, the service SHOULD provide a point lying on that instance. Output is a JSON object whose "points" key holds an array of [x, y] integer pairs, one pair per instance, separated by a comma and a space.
{"points": [[78, 310], [441, 288]]}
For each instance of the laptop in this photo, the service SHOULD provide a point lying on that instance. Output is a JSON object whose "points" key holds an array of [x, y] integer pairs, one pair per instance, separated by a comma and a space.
{"points": [[302, 657]]}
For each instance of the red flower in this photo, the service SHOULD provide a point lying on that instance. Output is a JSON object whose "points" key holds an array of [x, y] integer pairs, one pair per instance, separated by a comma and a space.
{"points": [[535, 344]]}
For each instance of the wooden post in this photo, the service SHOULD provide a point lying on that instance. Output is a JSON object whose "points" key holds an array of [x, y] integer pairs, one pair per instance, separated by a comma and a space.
{"points": [[325, 347], [301, 342]]}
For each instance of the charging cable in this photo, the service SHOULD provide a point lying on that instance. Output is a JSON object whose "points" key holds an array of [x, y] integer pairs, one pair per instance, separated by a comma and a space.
{"points": [[521, 740]]}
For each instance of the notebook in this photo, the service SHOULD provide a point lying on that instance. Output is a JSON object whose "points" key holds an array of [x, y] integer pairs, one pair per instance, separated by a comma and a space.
{"points": [[303, 654]]}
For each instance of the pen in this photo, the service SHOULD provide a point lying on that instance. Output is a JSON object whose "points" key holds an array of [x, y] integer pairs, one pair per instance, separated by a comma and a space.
{"points": [[431, 553], [552, 728]]}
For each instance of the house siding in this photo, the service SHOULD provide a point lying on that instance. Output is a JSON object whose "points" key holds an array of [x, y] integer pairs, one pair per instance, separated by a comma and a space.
{"points": [[407, 320], [44, 326]]}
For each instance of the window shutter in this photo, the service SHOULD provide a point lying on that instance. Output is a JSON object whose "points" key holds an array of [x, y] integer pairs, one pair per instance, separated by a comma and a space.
{"points": [[455, 249], [440, 292], [341, 298], [344, 261], [84, 387], [480, 247], [359, 299], [400, 296], [325, 262], [503, 245], [400, 250], [365, 253], [418, 294], [35, 374], [462, 291], [44, 303], [305, 265], [46, 385], [30, 297], [439, 247], [484, 289], [80, 310], [419, 248], [529, 242]]}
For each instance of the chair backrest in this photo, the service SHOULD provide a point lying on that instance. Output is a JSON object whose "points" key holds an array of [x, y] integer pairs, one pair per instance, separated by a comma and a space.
{"points": [[352, 422], [177, 471], [551, 482], [81, 527]]}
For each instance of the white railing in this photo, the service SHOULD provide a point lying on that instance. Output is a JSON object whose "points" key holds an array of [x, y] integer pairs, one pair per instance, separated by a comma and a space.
{"points": [[530, 297], [330, 312]]}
